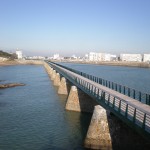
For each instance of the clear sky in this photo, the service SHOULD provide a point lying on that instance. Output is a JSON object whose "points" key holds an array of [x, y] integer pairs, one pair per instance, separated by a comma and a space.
{"points": [[45, 27]]}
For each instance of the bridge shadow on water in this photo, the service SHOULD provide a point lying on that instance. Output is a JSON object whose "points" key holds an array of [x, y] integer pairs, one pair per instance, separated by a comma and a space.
{"points": [[123, 137]]}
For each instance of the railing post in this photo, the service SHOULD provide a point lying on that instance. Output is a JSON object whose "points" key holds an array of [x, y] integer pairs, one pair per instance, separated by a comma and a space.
{"points": [[108, 100], [120, 88], [92, 89], [148, 99], [106, 83], [140, 96], [103, 96], [114, 102], [126, 113], [134, 117], [97, 93], [129, 92], [144, 120], [97, 79], [115, 86], [119, 106], [112, 85], [109, 84], [124, 90], [133, 93]]}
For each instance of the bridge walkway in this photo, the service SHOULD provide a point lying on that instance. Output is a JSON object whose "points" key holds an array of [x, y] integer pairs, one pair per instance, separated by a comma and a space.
{"points": [[132, 112]]}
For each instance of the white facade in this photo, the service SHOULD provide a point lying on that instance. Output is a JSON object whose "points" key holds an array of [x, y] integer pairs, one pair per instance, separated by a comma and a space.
{"points": [[146, 58], [56, 56], [106, 57], [19, 54], [92, 56], [131, 57], [101, 56]]}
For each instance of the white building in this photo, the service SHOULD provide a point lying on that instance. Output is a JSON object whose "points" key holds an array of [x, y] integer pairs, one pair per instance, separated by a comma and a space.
{"points": [[101, 56], [56, 56], [19, 54], [146, 58], [92, 56], [131, 57]]}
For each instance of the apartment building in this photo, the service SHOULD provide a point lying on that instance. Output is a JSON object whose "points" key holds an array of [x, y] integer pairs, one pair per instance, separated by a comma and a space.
{"points": [[93, 56], [146, 58], [131, 57]]}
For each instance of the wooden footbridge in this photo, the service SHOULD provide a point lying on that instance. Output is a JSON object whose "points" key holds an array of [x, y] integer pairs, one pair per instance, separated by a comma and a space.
{"points": [[127, 104]]}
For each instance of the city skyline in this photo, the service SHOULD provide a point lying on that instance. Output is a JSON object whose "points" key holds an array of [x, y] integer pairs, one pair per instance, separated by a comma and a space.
{"points": [[75, 27]]}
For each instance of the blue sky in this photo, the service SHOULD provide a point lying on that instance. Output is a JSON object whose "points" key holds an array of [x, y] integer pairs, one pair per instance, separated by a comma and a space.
{"points": [[45, 27]]}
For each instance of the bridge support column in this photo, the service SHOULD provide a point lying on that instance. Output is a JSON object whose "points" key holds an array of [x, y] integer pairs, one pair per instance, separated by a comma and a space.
{"points": [[98, 135], [53, 75], [73, 100], [63, 87], [48, 69], [57, 79], [79, 101]]}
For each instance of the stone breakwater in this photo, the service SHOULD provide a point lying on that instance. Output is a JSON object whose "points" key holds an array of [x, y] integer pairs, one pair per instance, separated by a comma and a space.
{"points": [[21, 62]]}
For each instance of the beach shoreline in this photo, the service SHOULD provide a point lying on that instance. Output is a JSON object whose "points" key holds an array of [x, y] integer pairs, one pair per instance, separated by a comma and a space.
{"points": [[110, 63], [21, 62]]}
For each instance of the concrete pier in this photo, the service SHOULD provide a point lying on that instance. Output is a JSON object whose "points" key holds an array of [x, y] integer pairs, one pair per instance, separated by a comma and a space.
{"points": [[73, 100], [98, 135], [79, 101], [62, 89], [53, 75], [48, 69], [57, 80]]}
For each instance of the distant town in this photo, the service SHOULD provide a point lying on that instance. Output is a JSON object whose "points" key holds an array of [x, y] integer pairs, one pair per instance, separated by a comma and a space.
{"points": [[90, 57]]}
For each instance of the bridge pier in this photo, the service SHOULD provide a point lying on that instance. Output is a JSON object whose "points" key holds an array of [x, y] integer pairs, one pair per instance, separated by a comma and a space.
{"points": [[53, 75], [98, 135], [57, 80], [62, 89], [79, 101], [48, 69]]}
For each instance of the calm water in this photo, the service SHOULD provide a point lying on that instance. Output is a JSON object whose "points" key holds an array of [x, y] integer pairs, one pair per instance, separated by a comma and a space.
{"points": [[33, 117], [134, 77]]}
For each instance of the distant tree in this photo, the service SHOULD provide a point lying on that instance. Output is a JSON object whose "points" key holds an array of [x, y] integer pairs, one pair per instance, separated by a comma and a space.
{"points": [[4, 54], [13, 56], [8, 55]]}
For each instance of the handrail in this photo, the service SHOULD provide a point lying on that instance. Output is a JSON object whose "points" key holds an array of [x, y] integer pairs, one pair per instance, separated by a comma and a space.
{"points": [[133, 93], [133, 112]]}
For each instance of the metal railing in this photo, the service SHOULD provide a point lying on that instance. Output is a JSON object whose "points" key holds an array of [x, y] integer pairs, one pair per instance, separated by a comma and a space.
{"points": [[127, 109], [133, 93]]}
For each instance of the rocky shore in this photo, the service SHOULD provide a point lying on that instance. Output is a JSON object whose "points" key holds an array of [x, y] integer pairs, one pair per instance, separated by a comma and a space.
{"points": [[9, 85], [21, 62]]}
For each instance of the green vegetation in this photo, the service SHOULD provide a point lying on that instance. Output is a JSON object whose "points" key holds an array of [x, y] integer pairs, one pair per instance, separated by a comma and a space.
{"points": [[7, 55], [4, 54]]}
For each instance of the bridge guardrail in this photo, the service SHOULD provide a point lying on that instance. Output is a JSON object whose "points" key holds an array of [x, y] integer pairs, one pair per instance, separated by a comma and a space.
{"points": [[133, 93], [128, 110]]}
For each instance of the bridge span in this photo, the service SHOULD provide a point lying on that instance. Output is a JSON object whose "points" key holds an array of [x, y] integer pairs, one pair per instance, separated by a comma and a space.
{"points": [[131, 111]]}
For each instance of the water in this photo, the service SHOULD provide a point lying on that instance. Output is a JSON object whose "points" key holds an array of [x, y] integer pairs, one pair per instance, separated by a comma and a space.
{"points": [[133, 77], [34, 116]]}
